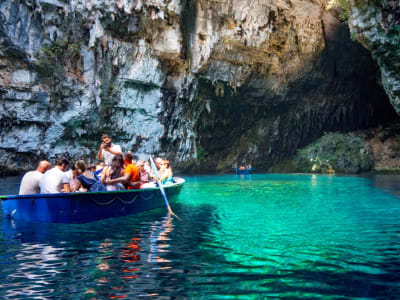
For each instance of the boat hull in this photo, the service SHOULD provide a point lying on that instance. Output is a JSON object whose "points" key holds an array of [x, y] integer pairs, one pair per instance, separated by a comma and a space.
{"points": [[85, 207], [241, 172]]}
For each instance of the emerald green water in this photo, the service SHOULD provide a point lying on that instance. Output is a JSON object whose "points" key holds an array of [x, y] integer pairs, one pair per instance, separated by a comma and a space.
{"points": [[249, 237]]}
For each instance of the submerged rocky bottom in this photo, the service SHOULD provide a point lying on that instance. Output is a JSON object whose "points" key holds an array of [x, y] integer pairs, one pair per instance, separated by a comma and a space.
{"points": [[252, 236]]}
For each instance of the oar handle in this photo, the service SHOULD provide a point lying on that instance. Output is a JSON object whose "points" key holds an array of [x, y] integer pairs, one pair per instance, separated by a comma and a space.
{"points": [[154, 167]]}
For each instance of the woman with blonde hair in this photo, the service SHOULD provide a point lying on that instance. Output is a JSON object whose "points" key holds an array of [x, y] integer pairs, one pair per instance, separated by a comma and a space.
{"points": [[165, 173]]}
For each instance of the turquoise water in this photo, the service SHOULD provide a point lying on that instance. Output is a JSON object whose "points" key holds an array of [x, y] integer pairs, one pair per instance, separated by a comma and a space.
{"points": [[249, 237]]}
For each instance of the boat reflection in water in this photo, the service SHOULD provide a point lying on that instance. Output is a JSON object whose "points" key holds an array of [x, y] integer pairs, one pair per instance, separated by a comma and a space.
{"points": [[104, 263]]}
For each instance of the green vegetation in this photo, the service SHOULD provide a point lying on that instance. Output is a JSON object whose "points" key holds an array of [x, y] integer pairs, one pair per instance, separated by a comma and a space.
{"points": [[201, 154], [51, 63], [346, 10], [391, 41], [50, 59], [387, 170], [335, 153]]}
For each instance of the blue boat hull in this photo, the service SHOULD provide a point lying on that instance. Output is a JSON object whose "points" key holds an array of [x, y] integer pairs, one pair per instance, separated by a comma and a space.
{"points": [[245, 171], [85, 207]]}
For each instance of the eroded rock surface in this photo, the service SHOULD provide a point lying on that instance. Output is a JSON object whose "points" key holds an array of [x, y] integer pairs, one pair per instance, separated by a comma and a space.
{"points": [[204, 83], [376, 25]]}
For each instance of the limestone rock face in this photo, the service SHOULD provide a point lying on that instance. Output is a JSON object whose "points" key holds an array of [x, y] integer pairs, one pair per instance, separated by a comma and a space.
{"points": [[376, 25], [203, 83]]}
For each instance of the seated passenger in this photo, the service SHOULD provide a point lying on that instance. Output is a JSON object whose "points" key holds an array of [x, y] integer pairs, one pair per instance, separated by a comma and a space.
{"points": [[92, 168], [130, 175], [31, 180], [87, 180], [99, 170], [158, 161], [165, 173], [70, 183], [144, 176], [52, 180], [113, 172], [147, 167]]}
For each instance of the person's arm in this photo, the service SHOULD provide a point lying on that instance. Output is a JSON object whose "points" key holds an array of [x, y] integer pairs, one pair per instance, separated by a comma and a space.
{"points": [[100, 153], [166, 174], [134, 184], [66, 188], [66, 177], [104, 174], [76, 187], [123, 179], [117, 149]]}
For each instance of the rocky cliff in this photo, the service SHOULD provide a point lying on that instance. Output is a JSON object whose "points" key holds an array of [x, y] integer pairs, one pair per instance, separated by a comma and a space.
{"points": [[204, 83], [376, 25]]}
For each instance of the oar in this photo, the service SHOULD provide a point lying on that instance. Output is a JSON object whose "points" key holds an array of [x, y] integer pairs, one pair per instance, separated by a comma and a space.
{"points": [[153, 166]]}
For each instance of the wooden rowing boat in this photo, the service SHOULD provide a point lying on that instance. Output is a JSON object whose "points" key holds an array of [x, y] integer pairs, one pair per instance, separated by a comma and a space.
{"points": [[86, 207]]}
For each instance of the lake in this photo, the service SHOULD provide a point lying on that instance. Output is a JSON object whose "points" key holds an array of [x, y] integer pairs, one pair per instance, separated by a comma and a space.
{"points": [[241, 237]]}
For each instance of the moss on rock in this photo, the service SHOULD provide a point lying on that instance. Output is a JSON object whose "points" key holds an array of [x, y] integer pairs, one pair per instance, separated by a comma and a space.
{"points": [[335, 153]]}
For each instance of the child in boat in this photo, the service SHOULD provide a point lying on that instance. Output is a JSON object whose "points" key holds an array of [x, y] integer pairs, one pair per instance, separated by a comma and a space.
{"points": [[165, 173], [87, 181]]}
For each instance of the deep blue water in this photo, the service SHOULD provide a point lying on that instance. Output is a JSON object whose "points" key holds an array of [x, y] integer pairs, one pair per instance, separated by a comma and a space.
{"points": [[249, 237]]}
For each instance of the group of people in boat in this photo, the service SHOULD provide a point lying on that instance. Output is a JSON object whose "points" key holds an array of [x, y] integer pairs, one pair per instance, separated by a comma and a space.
{"points": [[242, 167], [117, 171]]}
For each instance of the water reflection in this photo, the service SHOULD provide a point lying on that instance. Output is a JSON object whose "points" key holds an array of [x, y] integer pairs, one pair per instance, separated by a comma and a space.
{"points": [[273, 236], [113, 261]]}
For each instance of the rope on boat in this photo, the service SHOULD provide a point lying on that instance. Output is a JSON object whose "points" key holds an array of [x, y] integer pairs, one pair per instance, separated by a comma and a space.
{"points": [[122, 201], [148, 198], [104, 203], [128, 202]]}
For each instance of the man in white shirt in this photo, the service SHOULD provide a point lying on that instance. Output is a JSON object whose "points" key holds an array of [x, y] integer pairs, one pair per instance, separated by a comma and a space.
{"points": [[30, 181], [52, 181], [108, 150]]}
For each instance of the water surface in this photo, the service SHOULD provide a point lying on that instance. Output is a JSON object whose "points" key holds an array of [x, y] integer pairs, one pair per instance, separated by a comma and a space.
{"points": [[241, 237]]}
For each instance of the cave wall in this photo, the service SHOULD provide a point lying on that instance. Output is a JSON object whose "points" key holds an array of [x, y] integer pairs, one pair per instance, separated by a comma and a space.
{"points": [[203, 83], [376, 25]]}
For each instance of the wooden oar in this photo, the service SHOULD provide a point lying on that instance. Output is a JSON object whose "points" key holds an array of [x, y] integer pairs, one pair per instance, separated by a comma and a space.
{"points": [[153, 166]]}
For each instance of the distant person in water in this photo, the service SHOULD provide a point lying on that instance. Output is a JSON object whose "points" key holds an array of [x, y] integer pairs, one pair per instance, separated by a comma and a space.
{"points": [[31, 180], [108, 150], [53, 180]]}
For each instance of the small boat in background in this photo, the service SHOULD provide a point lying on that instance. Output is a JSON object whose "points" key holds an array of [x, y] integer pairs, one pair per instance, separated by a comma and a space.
{"points": [[86, 207], [243, 169]]}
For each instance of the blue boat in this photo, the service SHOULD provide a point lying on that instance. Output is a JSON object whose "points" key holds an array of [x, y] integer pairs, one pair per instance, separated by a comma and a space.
{"points": [[86, 207], [243, 171]]}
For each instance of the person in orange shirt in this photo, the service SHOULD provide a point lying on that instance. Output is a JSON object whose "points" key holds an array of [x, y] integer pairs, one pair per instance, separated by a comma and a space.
{"points": [[130, 175], [133, 180]]}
